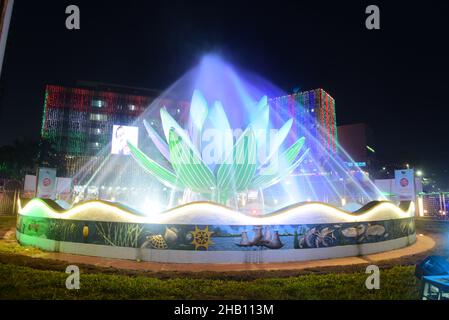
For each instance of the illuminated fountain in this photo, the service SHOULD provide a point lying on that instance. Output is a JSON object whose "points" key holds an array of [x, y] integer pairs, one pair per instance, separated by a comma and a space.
{"points": [[237, 168], [209, 167]]}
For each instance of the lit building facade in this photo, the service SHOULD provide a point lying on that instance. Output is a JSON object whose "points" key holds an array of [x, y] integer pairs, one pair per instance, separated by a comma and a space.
{"points": [[314, 117], [79, 122]]}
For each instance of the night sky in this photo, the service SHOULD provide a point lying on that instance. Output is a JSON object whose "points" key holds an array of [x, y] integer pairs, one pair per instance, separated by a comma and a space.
{"points": [[394, 79]]}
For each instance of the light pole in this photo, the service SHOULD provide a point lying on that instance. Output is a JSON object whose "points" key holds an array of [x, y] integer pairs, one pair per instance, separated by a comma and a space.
{"points": [[4, 27]]}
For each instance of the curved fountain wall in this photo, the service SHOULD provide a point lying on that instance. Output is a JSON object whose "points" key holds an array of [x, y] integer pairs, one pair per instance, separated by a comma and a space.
{"points": [[205, 232]]}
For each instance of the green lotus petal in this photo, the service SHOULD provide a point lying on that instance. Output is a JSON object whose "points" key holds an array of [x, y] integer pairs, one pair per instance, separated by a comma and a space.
{"points": [[285, 160], [239, 167], [164, 175], [189, 168], [160, 144], [265, 181], [168, 123]]}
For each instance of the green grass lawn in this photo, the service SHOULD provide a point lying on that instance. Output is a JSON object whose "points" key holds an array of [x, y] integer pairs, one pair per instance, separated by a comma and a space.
{"points": [[18, 282], [8, 243], [7, 221]]}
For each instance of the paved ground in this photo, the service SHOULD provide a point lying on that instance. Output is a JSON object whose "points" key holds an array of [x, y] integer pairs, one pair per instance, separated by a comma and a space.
{"points": [[423, 244]]}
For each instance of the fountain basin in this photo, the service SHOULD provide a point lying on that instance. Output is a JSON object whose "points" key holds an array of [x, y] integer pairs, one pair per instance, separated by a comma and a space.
{"points": [[204, 232]]}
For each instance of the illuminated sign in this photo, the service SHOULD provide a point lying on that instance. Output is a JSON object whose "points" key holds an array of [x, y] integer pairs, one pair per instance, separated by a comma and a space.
{"points": [[46, 183], [404, 184], [356, 164], [120, 136]]}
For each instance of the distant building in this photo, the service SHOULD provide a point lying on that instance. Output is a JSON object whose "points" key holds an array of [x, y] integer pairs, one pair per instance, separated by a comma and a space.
{"points": [[314, 116], [81, 121], [357, 140]]}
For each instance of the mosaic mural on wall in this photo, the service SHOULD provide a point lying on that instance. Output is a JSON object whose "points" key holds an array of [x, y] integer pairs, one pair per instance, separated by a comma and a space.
{"points": [[215, 237]]}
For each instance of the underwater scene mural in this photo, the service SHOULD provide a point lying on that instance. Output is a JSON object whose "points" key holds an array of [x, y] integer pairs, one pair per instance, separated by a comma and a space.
{"points": [[215, 237]]}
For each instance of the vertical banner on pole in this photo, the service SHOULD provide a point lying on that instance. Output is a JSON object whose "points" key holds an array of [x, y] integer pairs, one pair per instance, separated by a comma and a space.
{"points": [[405, 184], [46, 183]]}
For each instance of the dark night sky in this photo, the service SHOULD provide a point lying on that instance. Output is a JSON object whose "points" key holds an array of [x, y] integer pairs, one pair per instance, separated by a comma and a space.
{"points": [[395, 79]]}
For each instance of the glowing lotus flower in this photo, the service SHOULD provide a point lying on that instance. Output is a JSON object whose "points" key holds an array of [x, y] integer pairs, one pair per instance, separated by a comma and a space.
{"points": [[238, 169]]}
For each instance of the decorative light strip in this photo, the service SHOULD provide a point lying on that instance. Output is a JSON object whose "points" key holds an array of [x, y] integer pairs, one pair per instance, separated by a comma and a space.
{"points": [[204, 213]]}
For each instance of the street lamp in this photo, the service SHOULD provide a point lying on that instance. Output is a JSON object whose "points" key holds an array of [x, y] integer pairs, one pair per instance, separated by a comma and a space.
{"points": [[419, 173]]}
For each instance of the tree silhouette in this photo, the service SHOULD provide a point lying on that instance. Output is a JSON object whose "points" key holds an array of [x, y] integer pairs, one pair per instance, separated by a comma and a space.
{"points": [[25, 156]]}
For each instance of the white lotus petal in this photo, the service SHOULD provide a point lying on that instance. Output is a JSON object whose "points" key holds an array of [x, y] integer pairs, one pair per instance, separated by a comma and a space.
{"points": [[168, 122], [198, 109], [262, 103], [260, 127], [160, 144], [198, 114], [278, 140], [261, 121], [218, 117], [219, 121]]}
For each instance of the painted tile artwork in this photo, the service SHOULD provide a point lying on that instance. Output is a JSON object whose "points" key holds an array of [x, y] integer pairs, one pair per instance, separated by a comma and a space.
{"points": [[215, 237]]}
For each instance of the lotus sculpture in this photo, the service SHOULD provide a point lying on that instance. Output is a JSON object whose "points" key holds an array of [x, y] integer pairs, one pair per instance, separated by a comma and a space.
{"points": [[237, 166]]}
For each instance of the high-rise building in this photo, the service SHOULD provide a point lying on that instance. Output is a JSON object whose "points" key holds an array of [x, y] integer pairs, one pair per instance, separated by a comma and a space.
{"points": [[81, 122], [314, 117]]}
